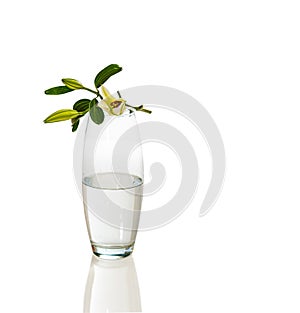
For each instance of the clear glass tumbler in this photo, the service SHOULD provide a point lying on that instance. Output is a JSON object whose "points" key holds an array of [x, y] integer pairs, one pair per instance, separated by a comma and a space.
{"points": [[112, 184]]}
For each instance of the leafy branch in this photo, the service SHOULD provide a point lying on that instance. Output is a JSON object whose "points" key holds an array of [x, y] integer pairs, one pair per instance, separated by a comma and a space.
{"points": [[81, 107]]}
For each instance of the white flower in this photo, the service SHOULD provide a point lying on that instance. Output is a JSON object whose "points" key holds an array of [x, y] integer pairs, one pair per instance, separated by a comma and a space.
{"points": [[110, 104]]}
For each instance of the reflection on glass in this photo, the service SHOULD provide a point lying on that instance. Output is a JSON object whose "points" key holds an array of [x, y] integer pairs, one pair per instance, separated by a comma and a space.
{"points": [[112, 286]]}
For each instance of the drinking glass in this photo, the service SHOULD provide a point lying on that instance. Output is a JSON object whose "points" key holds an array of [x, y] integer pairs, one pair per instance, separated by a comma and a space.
{"points": [[112, 184]]}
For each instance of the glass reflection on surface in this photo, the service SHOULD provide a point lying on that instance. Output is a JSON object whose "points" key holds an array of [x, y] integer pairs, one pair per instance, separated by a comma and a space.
{"points": [[112, 286]]}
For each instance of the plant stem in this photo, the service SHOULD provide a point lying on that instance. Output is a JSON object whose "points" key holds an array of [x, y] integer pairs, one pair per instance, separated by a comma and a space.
{"points": [[95, 92], [130, 106], [146, 111], [139, 108]]}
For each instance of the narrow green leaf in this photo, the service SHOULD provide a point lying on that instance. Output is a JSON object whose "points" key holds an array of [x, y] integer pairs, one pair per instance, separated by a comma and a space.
{"points": [[96, 112], [75, 123], [81, 105], [58, 90], [106, 73], [61, 115], [72, 83]]}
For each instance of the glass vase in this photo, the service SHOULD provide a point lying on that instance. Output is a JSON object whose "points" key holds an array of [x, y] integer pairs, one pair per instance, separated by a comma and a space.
{"points": [[112, 184]]}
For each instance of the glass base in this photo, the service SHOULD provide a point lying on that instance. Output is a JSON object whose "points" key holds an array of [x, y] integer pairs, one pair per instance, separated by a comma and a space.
{"points": [[112, 252]]}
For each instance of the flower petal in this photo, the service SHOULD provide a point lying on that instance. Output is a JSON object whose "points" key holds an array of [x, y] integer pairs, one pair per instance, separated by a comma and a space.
{"points": [[104, 106], [107, 96]]}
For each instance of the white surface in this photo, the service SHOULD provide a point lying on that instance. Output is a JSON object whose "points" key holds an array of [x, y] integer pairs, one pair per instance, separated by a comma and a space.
{"points": [[241, 60]]}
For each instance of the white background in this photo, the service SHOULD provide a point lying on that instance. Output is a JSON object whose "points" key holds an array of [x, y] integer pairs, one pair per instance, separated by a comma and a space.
{"points": [[241, 60]]}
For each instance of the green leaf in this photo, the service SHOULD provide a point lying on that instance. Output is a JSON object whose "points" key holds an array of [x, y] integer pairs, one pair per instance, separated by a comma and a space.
{"points": [[75, 123], [96, 112], [72, 83], [61, 115], [82, 105], [106, 73], [58, 90]]}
